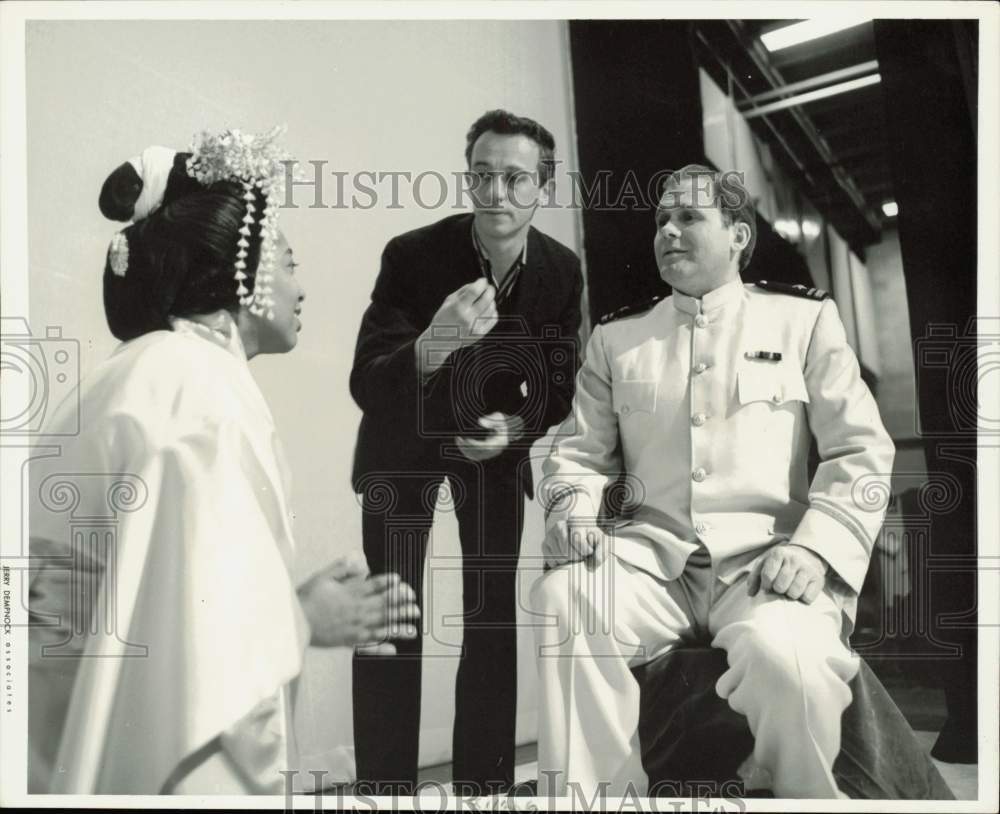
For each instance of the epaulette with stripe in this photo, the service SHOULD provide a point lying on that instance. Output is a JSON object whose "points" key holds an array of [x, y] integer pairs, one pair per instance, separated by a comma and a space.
{"points": [[794, 290], [630, 310]]}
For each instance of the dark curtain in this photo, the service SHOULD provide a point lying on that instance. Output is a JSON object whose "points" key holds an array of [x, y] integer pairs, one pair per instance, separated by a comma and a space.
{"points": [[929, 81], [638, 113], [775, 259]]}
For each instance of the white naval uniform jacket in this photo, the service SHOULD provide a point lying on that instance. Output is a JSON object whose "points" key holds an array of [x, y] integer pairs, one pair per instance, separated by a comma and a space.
{"points": [[714, 443]]}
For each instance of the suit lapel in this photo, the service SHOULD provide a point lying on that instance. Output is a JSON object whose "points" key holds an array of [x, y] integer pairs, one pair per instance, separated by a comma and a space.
{"points": [[535, 283], [467, 268]]}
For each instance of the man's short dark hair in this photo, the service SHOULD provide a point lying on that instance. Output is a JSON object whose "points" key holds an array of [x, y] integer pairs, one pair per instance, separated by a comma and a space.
{"points": [[504, 123], [730, 195]]}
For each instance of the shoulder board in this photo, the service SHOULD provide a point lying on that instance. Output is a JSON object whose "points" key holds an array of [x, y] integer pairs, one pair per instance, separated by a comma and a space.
{"points": [[793, 290], [630, 310]]}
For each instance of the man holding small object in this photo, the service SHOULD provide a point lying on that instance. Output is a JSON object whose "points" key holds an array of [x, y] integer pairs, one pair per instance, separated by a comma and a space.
{"points": [[465, 357], [706, 402]]}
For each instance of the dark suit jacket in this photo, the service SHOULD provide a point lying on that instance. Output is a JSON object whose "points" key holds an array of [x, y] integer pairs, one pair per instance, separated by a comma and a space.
{"points": [[525, 365]]}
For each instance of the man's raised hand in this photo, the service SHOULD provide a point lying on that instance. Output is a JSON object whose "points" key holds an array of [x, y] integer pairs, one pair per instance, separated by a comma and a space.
{"points": [[465, 317]]}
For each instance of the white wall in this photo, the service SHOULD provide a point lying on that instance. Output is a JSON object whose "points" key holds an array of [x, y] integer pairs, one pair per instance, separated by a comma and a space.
{"points": [[814, 245], [864, 316], [840, 284], [382, 96], [851, 287], [897, 386], [731, 145]]}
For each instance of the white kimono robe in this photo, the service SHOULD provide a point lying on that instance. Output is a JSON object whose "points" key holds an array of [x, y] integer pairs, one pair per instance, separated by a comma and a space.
{"points": [[167, 632]]}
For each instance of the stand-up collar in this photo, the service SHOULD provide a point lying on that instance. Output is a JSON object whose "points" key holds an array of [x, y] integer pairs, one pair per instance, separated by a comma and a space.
{"points": [[712, 303], [219, 328]]}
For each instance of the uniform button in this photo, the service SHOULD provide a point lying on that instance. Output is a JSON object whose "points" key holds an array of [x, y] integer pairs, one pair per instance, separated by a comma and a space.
{"points": [[700, 527], [698, 419], [699, 475], [625, 410], [701, 367], [701, 320], [776, 398]]}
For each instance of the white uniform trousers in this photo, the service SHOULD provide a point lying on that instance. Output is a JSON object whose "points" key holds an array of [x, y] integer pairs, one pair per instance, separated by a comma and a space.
{"points": [[788, 673]]}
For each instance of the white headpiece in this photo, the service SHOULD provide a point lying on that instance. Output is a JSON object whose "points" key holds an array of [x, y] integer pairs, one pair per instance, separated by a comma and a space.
{"points": [[153, 166]]}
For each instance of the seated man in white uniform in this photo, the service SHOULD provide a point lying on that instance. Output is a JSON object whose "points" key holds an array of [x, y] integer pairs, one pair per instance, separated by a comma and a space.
{"points": [[706, 403]]}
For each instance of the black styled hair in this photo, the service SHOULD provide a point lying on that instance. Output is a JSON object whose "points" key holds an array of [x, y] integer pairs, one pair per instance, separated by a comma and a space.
{"points": [[181, 258], [731, 196], [505, 123]]}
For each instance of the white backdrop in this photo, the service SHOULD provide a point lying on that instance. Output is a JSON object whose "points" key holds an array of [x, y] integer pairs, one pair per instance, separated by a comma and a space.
{"points": [[361, 96]]}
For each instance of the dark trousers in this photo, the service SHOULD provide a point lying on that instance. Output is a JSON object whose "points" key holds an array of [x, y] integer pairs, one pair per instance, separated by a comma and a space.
{"points": [[397, 515]]}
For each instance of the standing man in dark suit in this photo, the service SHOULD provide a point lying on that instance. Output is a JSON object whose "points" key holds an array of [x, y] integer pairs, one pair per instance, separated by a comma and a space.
{"points": [[465, 357]]}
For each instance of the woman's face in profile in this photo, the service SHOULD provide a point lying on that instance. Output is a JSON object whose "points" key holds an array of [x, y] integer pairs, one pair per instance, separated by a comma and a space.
{"points": [[280, 335]]}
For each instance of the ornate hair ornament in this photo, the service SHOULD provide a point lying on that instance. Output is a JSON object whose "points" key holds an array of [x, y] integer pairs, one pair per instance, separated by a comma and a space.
{"points": [[118, 254], [255, 160]]}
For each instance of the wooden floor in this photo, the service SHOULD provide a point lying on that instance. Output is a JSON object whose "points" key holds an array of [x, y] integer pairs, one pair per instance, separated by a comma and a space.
{"points": [[961, 778]]}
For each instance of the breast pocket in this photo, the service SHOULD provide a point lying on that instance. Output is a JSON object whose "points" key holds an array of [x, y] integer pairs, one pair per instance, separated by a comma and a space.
{"points": [[633, 398], [775, 384]]}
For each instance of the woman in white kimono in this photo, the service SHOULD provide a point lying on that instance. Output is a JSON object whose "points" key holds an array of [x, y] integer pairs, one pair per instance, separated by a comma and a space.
{"points": [[167, 633]]}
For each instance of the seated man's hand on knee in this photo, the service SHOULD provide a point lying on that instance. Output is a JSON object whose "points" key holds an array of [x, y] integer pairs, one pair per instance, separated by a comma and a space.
{"points": [[790, 570], [567, 541]]}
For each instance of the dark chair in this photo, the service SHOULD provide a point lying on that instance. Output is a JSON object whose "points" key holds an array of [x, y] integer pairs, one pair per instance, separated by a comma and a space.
{"points": [[693, 743]]}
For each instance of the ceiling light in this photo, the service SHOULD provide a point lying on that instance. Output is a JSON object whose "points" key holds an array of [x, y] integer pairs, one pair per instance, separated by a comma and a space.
{"points": [[807, 30], [813, 95], [890, 208]]}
